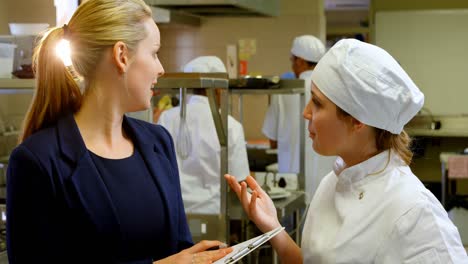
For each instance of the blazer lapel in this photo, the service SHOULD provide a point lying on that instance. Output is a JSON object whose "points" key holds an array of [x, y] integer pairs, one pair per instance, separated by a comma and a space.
{"points": [[90, 193]]}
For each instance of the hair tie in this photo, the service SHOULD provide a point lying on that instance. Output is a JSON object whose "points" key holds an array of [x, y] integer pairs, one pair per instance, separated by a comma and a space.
{"points": [[66, 31]]}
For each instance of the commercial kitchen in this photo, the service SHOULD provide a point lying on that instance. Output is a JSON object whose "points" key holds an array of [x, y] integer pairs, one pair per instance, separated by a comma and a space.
{"points": [[258, 43]]}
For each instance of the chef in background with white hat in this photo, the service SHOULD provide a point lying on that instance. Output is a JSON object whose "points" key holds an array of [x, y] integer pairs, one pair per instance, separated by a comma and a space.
{"points": [[281, 124], [370, 208], [199, 171]]}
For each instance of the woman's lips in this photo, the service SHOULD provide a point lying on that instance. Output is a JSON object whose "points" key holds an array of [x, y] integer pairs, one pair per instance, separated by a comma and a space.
{"points": [[311, 135]]}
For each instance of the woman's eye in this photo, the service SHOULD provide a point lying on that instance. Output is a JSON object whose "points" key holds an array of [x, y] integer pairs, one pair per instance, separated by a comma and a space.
{"points": [[315, 103]]}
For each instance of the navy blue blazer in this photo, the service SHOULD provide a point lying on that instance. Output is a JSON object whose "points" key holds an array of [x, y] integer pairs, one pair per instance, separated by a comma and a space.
{"points": [[58, 208]]}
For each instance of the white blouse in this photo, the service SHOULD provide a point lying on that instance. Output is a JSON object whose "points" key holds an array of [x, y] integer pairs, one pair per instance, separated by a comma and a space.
{"points": [[378, 211]]}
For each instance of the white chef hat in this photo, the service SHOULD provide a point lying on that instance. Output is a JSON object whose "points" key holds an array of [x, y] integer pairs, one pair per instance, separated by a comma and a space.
{"points": [[366, 82], [308, 48], [205, 64]]}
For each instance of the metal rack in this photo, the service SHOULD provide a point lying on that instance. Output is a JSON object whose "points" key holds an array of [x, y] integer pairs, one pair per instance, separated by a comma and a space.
{"points": [[209, 81], [293, 86]]}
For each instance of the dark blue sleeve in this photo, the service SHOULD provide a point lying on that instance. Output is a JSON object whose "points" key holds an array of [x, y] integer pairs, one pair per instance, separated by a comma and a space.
{"points": [[31, 232], [185, 240]]}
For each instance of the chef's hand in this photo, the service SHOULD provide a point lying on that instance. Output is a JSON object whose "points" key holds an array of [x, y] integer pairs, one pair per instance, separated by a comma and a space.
{"points": [[198, 254], [258, 205]]}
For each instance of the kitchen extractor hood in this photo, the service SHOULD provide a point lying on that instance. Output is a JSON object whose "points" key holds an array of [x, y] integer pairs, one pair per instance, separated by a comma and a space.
{"points": [[166, 16], [221, 7], [347, 4]]}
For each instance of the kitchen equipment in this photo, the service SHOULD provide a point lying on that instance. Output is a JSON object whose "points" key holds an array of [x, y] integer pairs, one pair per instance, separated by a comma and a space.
{"points": [[259, 82], [24, 72], [221, 7], [183, 140], [7, 56], [27, 28], [278, 193]]}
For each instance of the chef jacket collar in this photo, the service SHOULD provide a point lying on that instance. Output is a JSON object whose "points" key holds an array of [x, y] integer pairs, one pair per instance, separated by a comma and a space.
{"points": [[365, 171]]}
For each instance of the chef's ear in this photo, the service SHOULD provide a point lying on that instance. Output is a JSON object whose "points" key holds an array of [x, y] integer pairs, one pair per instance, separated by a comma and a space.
{"points": [[120, 56], [356, 124]]}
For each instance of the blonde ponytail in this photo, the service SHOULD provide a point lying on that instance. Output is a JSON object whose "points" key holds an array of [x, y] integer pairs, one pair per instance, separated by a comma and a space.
{"points": [[398, 143], [56, 92], [95, 26]]}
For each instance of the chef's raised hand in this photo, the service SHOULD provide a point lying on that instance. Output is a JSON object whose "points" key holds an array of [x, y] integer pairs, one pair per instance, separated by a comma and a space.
{"points": [[258, 205]]}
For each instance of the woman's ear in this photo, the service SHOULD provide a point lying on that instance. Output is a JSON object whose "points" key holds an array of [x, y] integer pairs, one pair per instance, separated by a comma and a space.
{"points": [[120, 55], [356, 124]]}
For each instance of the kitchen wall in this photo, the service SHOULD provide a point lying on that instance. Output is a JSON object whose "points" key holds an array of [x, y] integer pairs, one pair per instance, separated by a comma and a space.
{"points": [[3, 17], [427, 165], [394, 5], [273, 39], [346, 18], [26, 11]]}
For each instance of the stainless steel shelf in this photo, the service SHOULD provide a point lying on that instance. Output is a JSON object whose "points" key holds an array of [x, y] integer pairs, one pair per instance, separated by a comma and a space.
{"points": [[208, 81], [450, 126], [436, 133], [286, 86], [295, 86], [16, 86], [6, 83], [192, 80]]}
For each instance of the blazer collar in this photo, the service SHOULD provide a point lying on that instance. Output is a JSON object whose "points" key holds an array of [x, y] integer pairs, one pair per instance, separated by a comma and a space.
{"points": [[73, 146], [71, 143]]}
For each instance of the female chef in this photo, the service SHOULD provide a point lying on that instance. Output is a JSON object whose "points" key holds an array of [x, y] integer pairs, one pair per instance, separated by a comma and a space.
{"points": [[371, 208]]}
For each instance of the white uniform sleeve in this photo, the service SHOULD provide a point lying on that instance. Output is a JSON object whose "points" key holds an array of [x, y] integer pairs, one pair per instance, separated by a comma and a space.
{"points": [[170, 121], [270, 124], [424, 234], [162, 119], [238, 160]]}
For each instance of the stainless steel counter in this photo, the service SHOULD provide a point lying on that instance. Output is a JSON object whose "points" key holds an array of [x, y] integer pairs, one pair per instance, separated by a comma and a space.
{"points": [[450, 126]]}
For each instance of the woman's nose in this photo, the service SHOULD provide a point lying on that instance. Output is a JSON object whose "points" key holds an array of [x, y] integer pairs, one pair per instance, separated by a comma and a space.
{"points": [[161, 72], [307, 113]]}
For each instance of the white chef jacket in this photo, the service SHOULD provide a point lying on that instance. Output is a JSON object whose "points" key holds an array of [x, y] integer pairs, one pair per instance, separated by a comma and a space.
{"points": [[389, 217], [200, 172], [282, 124]]}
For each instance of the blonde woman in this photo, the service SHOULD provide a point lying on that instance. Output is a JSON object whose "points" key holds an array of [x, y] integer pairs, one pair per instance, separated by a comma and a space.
{"points": [[87, 184], [371, 208]]}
